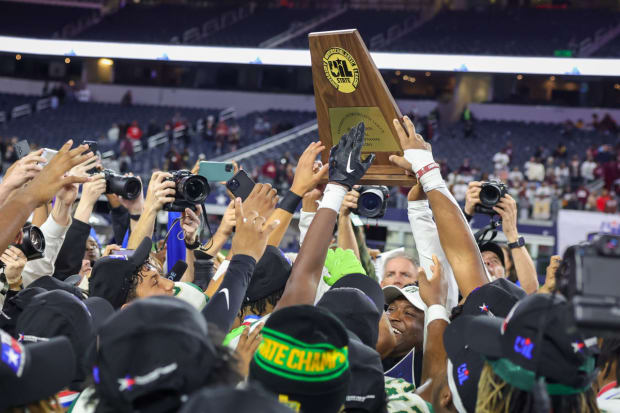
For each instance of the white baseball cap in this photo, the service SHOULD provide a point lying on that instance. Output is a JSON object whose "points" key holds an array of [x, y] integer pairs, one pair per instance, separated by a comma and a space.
{"points": [[410, 292]]}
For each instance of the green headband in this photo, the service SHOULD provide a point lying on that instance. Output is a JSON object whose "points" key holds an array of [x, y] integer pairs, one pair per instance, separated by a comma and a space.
{"points": [[525, 379], [293, 359]]}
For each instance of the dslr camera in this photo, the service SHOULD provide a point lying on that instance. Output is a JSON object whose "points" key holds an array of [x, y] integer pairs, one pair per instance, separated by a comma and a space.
{"points": [[190, 190], [588, 277], [33, 243], [128, 187], [372, 202], [490, 195]]}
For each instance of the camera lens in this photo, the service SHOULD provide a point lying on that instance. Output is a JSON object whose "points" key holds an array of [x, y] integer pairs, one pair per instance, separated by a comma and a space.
{"points": [[233, 184], [132, 189], [490, 195], [228, 168], [370, 201], [195, 188]]}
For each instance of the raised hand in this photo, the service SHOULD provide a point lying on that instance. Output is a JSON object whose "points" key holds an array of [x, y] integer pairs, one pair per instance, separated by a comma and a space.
{"points": [[409, 139], [54, 175], [228, 220], [307, 175], [83, 168], [160, 191], [262, 199], [190, 222], [472, 197], [345, 164], [349, 203], [14, 262], [134, 206], [435, 290], [251, 234], [24, 170], [248, 343]]}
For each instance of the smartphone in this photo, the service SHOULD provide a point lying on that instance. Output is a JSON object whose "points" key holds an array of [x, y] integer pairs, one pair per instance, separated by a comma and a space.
{"points": [[216, 171], [22, 148], [48, 154], [240, 185], [92, 147]]}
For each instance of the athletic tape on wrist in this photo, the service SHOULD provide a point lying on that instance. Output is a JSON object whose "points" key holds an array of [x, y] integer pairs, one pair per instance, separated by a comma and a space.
{"points": [[290, 202], [420, 158], [333, 197], [221, 270], [437, 312]]}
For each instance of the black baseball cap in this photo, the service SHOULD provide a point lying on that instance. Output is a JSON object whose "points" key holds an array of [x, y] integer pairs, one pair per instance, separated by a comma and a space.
{"points": [[511, 345], [366, 391], [111, 277], [494, 299], [51, 284], [250, 399], [270, 275], [365, 284], [151, 354], [356, 311], [35, 372], [14, 306], [59, 313], [303, 359], [495, 248]]}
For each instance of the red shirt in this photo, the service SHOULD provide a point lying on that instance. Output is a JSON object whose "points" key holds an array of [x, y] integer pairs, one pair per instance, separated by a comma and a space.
{"points": [[134, 132], [601, 202]]}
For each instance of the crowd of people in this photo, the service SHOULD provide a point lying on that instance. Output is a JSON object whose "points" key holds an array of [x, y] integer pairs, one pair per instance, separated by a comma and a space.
{"points": [[335, 327]]}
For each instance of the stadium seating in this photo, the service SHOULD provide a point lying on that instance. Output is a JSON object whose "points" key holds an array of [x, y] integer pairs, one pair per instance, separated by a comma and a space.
{"points": [[611, 49], [368, 22], [511, 32], [37, 20], [260, 26], [9, 101], [149, 24]]}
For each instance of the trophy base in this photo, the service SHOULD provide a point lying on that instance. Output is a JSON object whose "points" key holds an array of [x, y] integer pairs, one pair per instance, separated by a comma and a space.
{"points": [[385, 175]]}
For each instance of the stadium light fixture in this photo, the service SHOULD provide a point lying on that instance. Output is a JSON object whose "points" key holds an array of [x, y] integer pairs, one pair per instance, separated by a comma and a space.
{"points": [[301, 58], [106, 62]]}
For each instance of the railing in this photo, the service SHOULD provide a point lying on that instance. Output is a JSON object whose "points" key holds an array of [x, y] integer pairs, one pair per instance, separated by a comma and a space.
{"points": [[2, 117], [300, 27], [590, 45], [21, 110]]}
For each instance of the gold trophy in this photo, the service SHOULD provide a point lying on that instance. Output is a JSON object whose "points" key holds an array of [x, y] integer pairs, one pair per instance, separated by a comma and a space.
{"points": [[349, 89]]}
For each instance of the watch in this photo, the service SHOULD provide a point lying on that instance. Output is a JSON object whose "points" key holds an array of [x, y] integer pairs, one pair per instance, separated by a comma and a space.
{"points": [[520, 243]]}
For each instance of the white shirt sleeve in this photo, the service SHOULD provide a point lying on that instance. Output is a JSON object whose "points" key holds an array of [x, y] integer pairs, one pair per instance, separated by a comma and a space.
{"points": [[427, 243], [305, 219], [54, 237]]}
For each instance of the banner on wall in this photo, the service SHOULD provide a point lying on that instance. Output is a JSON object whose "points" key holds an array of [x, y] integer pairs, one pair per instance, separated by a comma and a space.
{"points": [[576, 226]]}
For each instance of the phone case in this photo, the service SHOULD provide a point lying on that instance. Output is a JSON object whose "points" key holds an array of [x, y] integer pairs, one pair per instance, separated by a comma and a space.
{"points": [[22, 148], [240, 185], [216, 171]]}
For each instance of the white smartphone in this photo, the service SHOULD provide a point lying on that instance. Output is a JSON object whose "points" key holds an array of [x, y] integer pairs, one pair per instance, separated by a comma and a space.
{"points": [[48, 154]]}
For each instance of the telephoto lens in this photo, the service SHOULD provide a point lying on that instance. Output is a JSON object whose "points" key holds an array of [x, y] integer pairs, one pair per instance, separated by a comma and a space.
{"points": [[190, 190], [128, 187], [372, 202]]}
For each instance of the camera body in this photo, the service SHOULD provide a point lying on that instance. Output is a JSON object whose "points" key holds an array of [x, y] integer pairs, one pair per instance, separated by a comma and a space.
{"points": [[128, 187], [372, 202], [190, 189], [589, 279], [33, 243], [490, 194]]}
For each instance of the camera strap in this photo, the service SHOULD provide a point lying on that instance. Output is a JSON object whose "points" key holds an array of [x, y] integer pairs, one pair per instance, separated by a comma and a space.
{"points": [[491, 228]]}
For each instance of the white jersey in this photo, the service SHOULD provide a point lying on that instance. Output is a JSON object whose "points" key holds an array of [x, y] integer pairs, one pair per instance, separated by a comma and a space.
{"points": [[608, 399], [401, 397]]}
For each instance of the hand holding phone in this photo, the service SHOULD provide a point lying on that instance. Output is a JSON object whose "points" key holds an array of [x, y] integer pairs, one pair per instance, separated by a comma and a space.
{"points": [[240, 185], [216, 171], [22, 148]]}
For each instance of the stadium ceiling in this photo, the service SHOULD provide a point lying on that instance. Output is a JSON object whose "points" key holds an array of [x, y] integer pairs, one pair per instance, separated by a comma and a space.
{"points": [[287, 57]]}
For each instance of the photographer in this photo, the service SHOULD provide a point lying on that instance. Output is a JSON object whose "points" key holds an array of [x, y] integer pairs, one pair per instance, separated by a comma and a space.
{"points": [[506, 208]]}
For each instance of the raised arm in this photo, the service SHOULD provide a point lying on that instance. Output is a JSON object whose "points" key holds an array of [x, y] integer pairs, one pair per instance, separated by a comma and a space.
{"points": [[524, 266], [346, 236], [346, 168], [455, 235], [160, 192], [15, 212], [307, 177]]}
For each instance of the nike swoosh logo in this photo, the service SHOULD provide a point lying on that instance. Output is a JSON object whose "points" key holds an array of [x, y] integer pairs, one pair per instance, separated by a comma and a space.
{"points": [[349, 170], [225, 292]]}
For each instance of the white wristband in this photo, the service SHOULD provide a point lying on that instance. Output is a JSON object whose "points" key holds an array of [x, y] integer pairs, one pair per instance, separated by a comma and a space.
{"points": [[418, 158], [436, 312], [221, 270], [333, 195]]}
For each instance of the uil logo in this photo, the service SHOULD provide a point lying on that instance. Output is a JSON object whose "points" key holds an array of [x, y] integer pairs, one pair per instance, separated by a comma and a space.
{"points": [[524, 346], [463, 373], [341, 70]]}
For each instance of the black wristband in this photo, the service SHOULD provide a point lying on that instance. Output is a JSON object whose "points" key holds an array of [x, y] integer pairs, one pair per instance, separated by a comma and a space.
{"points": [[193, 246], [134, 217], [290, 202], [467, 216]]}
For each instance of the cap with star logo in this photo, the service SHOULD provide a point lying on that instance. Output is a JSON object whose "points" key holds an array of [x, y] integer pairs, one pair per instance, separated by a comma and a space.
{"points": [[512, 347], [410, 292], [33, 373], [494, 299], [154, 351]]}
